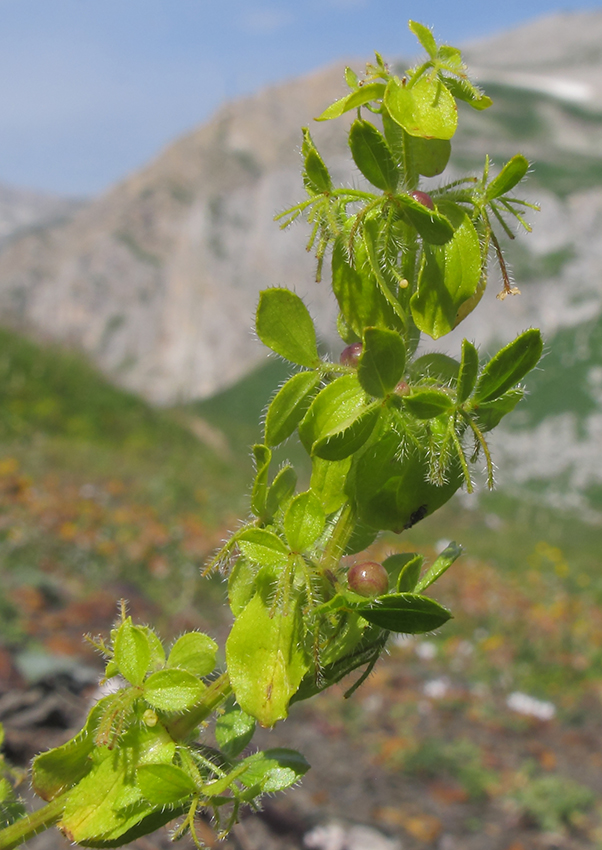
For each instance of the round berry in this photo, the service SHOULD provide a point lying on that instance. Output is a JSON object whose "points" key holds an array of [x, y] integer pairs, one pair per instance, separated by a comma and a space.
{"points": [[351, 354], [368, 579], [423, 199]]}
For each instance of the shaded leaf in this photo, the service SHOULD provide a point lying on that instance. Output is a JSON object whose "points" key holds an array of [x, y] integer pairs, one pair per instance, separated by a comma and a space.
{"points": [[304, 521], [262, 457], [407, 613], [510, 175], [328, 482], [234, 730], [430, 155], [283, 487], [450, 554], [464, 90], [339, 421], [490, 413], [469, 367], [164, 784], [372, 156], [426, 404], [448, 277], [289, 406], [509, 366], [434, 227], [274, 770], [382, 362]]}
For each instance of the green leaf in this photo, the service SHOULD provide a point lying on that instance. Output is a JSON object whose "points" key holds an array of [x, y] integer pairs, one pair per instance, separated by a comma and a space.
{"points": [[131, 652], [241, 585], [449, 276], [234, 730], [426, 404], [371, 244], [469, 367], [283, 324], [407, 613], [164, 784], [263, 457], [491, 413], [194, 652], [107, 803], [389, 485], [407, 565], [435, 365], [157, 652], [450, 554], [362, 536], [351, 78], [509, 366], [282, 489], [274, 770], [430, 155], [59, 769], [358, 293], [216, 787], [363, 95], [382, 362], [328, 482], [372, 156], [173, 690], [316, 176], [425, 37], [264, 548], [265, 657], [510, 175], [304, 521], [424, 109], [465, 91], [339, 421], [289, 406], [434, 228]]}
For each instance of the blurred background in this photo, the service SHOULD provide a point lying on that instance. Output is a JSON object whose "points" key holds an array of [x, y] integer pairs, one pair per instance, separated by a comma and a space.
{"points": [[144, 148]]}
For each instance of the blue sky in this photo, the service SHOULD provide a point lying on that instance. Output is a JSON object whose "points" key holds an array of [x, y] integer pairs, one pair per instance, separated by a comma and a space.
{"points": [[91, 89]]}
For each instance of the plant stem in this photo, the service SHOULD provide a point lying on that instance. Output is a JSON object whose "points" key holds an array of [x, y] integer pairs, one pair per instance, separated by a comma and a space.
{"points": [[25, 828], [181, 726]]}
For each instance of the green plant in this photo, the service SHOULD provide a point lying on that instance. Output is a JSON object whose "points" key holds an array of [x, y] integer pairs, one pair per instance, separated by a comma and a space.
{"points": [[552, 801], [391, 434], [460, 760]]}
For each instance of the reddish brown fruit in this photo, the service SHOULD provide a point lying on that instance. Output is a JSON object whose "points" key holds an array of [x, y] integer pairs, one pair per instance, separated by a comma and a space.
{"points": [[402, 388], [423, 199], [351, 354], [368, 579]]}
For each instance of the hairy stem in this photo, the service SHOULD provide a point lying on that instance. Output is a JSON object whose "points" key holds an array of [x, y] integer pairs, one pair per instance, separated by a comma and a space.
{"points": [[25, 829], [181, 726]]}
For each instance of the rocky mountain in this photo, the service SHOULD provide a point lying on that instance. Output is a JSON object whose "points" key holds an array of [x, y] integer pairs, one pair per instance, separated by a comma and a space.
{"points": [[24, 210], [156, 281]]}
